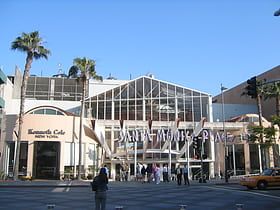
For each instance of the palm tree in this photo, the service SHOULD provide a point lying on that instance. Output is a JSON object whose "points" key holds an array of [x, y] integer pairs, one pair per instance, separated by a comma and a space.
{"points": [[32, 45], [83, 70], [259, 91], [273, 91], [258, 97]]}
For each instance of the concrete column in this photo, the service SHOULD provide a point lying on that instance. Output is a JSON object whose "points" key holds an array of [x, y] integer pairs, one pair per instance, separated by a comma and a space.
{"points": [[212, 155], [271, 157], [113, 171], [61, 162], [30, 157], [247, 158]]}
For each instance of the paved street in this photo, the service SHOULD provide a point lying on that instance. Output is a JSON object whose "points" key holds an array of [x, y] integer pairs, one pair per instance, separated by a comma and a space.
{"points": [[133, 195]]}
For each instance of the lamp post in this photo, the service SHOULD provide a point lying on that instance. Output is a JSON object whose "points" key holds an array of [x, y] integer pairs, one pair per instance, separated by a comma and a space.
{"points": [[225, 134]]}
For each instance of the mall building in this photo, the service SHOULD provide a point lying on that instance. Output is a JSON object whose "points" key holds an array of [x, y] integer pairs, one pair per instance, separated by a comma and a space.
{"points": [[144, 120]]}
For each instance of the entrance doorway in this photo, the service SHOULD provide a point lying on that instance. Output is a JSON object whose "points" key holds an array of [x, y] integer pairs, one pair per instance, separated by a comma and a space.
{"points": [[46, 160]]}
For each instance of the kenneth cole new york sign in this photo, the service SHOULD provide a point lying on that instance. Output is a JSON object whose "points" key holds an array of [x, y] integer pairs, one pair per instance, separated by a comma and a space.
{"points": [[46, 134]]}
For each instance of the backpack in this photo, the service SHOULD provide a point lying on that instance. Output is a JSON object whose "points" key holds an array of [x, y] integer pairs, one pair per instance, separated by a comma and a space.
{"points": [[94, 184]]}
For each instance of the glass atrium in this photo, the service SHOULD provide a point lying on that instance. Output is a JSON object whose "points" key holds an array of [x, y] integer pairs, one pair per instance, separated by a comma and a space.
{"points": [[146, 98]]}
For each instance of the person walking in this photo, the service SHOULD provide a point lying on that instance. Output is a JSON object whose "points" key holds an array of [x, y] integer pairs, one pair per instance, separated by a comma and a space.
{"points": [[101, 192], [186, 175], [149, 170], [124, 170], [165, 173], [138, 171], [143, 174], [179, 173], [157, 173], [106, 170]]}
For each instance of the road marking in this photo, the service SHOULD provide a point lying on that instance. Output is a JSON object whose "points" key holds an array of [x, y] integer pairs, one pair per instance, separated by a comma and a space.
{"points": [[249, 192], [61, 189]]}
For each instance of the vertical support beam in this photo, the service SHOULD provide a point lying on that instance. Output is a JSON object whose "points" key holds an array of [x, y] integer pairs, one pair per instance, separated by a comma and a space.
{"points": [[30, 157], [247, 158]]}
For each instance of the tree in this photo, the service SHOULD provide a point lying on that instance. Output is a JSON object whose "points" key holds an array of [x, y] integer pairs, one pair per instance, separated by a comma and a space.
{"points": [[258, 92], [31, 44], [273, 91], [255, 89], [83, 70]]}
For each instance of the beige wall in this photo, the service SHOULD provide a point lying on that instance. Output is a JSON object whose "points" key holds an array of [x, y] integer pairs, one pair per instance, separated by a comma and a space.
{"points": [[52, 128]]}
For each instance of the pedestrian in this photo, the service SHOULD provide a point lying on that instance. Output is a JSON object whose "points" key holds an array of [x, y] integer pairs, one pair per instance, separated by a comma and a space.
{"points": [[101, 192], [143, 174], [165, 173], [106, 170], [149, 171], [186, 175], [179, 174], [157, 173], [138, 171], [124, 171]]}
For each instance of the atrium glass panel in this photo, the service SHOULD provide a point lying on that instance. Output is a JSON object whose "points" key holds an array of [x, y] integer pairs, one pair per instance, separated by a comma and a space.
{"points": [[196, 107], [139, 88], [179, 92], [163, 110], [132, 109], [155, 109], [94, 110], [171, 91], [148, 109], [124, 91], [155, 88], [204, 101], [101, 110], [108, 113], [139, 109], [147, 87], [109, 95], [163, 90], [181, 109], [101, 96], [117, 110], [132, 89], [117, 93], [124, 108], [171, 109]]}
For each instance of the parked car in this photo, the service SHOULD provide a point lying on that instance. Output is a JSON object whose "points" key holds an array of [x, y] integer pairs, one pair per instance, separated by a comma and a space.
{"points": [[268, 178]]}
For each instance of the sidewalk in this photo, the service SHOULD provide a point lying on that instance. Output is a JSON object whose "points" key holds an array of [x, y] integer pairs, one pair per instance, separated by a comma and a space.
{"points": [[85, 183]]}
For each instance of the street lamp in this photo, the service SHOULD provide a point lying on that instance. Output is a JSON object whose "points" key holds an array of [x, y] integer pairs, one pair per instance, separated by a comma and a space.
{"points": [[225, 134]]}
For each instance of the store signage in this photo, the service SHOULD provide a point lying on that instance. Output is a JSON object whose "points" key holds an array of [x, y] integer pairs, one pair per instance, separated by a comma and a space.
{"points": [[46, 134], [171, 135]]}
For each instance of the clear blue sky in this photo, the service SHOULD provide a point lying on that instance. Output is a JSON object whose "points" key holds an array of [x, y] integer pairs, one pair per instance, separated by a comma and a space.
{"points": [[198, 44]]}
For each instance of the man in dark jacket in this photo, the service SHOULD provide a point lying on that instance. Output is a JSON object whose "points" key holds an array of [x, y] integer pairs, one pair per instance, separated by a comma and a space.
{"points": [[179, 173]]}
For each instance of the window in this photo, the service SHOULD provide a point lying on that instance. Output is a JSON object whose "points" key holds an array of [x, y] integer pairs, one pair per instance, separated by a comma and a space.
{"points": [[47, 111]]}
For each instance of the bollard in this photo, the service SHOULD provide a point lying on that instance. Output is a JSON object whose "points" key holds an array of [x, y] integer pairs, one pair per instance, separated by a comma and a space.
{"points": [[50, 206], [118, 207], [239, 206], [182, 207]]}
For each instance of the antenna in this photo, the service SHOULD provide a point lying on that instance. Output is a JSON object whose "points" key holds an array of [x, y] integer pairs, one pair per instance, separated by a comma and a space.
{"points": [[59, 68]]}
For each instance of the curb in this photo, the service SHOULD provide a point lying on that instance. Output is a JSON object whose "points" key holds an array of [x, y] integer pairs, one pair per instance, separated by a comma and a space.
{"points": [[23, 185]]}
